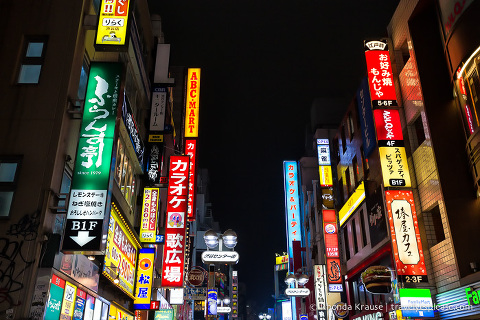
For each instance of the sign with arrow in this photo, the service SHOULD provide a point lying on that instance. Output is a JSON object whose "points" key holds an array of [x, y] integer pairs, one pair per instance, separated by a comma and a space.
{"points": [[90, 197]]}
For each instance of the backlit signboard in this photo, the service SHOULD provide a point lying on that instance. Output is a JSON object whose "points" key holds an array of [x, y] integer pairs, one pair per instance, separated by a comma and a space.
{"points": [[366, 118], [121, 253], [112, 23], [133, 133], [286, 310], [321, 291], [406, 242], [416, 302], [330, 234], [164, 314], [143, 289], [352, 203], [157, 113], [191, 150], [234, 294], [292, 204], [323, 152], [55, 297], [394, 167], [175, 230], [192, 103], [326, 179], [89, 195], [389, 128], [68, 303], [281, 259], [148, 225], [212, 302], [380, 76]]}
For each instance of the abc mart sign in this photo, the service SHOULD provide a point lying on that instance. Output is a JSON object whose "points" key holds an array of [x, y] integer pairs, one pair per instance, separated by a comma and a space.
{"points": [[297, 292], [228, 257]]}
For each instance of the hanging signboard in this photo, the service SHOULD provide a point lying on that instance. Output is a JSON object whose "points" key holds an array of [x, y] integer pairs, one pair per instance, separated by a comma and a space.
{"points": [[143, 289], [148, 226], [112, 25], [321, 291], [175, 230], [406, 242], [192, 103], [292, 204], [89, 195], [380, 76], [121, 253], [191, 150]]}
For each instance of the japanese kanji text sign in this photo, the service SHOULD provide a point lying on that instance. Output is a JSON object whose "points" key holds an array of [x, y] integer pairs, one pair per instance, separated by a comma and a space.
{"points": [[143, 289], [174, 248], [292, 204], [191, 150], [406, 242], [192, 103], [121, 252], [380, 76], [321, 291], [89, 193], [112, 23], [157, 113], [148, 226]]}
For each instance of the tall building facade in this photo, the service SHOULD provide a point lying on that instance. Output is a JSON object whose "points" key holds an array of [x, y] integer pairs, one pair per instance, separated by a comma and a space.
{"points": [[88, 125]]}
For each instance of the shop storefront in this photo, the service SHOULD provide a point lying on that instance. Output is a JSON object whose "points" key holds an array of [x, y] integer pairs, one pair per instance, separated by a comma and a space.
{"points": [[459, 303]]}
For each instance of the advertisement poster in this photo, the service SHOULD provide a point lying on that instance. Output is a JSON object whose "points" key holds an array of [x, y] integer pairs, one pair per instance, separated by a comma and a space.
{"points": [[55, 297]]}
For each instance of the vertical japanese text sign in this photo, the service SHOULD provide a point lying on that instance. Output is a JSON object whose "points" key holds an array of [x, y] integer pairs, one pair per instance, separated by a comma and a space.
{"points": [[143, 289], [292, 204], [380, 76], [330, 236], [382, 93], [321, 291], [173, 250], [112, 23], [148, 227], [406, 242], [89, 194], [191, 150], [192, 102]]}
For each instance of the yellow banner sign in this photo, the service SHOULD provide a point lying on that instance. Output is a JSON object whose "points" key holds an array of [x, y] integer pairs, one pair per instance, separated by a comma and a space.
{"points": [[326, 179], [192, 103], [148, 226], [143, 290], [68, 304], [281, 259], [112, 22], [352, 203], [155, 138], [394, 167], [121, 252]]}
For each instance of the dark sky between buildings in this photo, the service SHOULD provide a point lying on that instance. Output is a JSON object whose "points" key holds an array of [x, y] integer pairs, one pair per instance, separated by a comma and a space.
{"points": [[263, 63]]}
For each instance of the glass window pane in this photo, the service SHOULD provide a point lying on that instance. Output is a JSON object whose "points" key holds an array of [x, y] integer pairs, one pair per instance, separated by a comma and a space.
{"points": [[82, 86], [5, 202], [119, 163], [29, 73], [35, 49], [7, 171]]}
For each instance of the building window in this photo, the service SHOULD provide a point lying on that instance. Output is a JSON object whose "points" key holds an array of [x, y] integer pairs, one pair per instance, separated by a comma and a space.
{"points": [[433, 222], [351, 126], [346, 243], [32, 60], [356, 171], [364, 229], [419, 130], [8, 183], [124, 174], [354, 236], [344, 140]]}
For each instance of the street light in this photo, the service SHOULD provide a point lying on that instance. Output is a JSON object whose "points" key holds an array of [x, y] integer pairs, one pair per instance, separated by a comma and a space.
{"points": [[298, 279], [228, 238], [264, 316]]}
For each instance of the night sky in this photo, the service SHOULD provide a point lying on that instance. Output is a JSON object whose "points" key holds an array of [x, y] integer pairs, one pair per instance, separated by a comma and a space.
{"points": [[263, 63]]}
